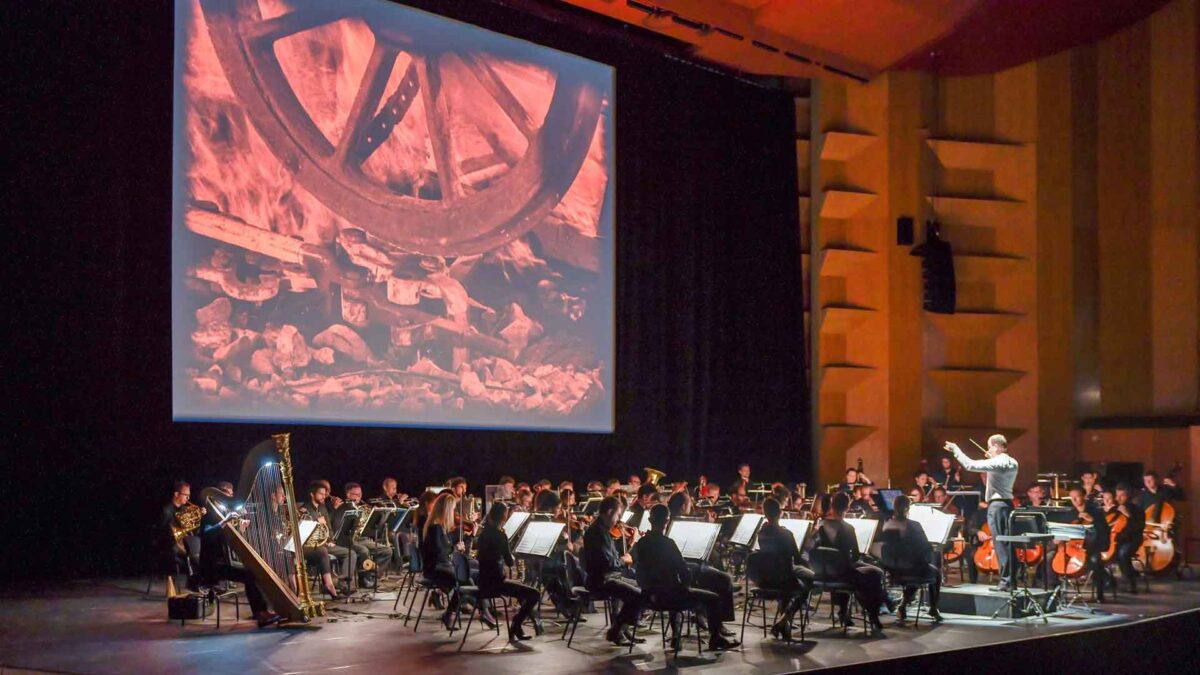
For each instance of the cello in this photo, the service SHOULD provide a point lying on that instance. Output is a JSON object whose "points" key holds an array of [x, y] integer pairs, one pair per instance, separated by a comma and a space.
{"points": [[1070, 559], [1116, 523], [985, 553]]}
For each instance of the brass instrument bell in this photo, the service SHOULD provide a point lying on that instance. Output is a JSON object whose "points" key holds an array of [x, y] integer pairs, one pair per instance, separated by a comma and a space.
{"points": [[653, 476]]}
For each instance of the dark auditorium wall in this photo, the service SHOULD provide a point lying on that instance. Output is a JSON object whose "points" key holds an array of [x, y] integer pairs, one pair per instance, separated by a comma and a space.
{"points": [[710, 356]]}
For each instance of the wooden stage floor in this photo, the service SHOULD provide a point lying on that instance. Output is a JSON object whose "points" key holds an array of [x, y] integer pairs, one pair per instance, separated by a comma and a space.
{"points": [[111, 627]]}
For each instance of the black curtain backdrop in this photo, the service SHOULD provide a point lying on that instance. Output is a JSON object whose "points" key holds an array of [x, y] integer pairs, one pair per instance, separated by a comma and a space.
{"points": [[710, 347]]}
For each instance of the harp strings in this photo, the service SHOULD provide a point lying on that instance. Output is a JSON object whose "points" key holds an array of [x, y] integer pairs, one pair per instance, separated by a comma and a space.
{"points": [[266, 513]]}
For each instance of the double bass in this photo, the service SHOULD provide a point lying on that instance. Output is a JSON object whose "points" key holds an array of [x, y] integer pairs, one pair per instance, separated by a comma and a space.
{"points": [[1157, 551]]}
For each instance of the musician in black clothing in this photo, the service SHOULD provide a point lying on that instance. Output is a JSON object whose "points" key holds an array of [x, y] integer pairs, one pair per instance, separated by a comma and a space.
{"points": [[1154, 495], [364, 547], [1096, 541], [861, 503], [947, 475], [705, 575], [605, 571], [974, 535], [663, 574], [647, 496], [783, 566], [1129, 540], [181, 558], [317, 509], [853, 477], [437, 553], [216, 564], [493, 553], [906, 552], [866, 578]]}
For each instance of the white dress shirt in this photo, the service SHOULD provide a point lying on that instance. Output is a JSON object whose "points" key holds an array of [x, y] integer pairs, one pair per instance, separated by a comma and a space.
{"points": [[1001, 473]]}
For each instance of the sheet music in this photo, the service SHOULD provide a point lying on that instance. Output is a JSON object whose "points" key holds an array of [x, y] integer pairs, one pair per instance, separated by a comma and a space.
{"points": [[644, 523], [798, 527], [747, 527], [694, 539], [864, 531], [936, 523], [306, 528], [626, 515], [514, 522], [538, 538]]}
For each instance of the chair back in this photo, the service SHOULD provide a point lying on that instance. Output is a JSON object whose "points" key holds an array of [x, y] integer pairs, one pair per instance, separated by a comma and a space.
{"points": [[768, 570], [575, 576], [829, 564]]}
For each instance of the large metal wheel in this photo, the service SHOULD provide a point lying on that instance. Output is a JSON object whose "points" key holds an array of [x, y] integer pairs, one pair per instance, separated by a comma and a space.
{"points": [[457, 222]]}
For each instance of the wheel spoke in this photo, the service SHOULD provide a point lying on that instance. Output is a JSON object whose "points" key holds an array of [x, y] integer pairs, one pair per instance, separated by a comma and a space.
{"points": [[366, 99], [297, 21], [500, 92], [394, 110], [437, 116]]}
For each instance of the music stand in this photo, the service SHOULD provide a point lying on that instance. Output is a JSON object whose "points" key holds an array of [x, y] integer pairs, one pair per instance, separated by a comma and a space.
{"points": [[799, 527], [538, 539], [398, 519], [864, 531], [513, 524], [695, 539], [745, 531], [1024, 529]]}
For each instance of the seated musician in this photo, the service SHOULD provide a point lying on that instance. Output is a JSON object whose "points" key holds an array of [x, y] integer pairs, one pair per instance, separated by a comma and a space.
{"points": [[401, 540], [705, 575], [783, 566], [944, 501], [317, 509], [437, 551], [364, 546], [547, 501], [647, 496], [744, 472], [606, 571], [915, 495], [493, 554], [225, 487], [947, 474], [853, 477], [702, 487], [566, 485], [1154, 495], [737, 495], [524, 500], [1129, 539], [508, 488], [1035, 495], [975, 536], [634, 482], [906, 552], [333, 500], [782, 495], [390, 492], [1091, 488], [611, 487], [867, 579], [181, 558], [595, 488], [861, 503], [922, 482], [663, 574], [1096, 541], [216, 566]]}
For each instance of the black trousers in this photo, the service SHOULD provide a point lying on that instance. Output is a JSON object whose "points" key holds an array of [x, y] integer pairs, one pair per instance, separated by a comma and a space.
{"points": [[626, 594], [1126, 552], [258, 603], [318, 559], [1100, 579], [705, 602], [868, 588], [800, 590], [997, 518], [935, 586], [527, 596], [718, 582]]}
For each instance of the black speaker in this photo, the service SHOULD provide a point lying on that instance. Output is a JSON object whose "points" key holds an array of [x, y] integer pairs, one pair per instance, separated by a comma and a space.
{"points": [[904, 231], [937, 272]]}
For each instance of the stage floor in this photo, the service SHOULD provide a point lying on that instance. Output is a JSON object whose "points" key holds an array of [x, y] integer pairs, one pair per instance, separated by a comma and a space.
{"points": [[110, 627]]}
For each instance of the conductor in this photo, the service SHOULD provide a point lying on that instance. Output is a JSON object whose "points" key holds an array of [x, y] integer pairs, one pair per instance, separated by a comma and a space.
{"points": [[1001, 470]]}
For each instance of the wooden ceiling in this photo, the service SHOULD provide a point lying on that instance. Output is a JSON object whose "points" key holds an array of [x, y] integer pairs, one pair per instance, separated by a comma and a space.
{"points": [[862, 38]]}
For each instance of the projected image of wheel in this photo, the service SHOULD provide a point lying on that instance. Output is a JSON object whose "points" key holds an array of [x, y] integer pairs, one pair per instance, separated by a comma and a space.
{"points": [[436, 145]]}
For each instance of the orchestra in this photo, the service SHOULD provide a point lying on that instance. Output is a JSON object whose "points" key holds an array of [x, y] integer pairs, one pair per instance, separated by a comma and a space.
{"points": [[631, 564]]}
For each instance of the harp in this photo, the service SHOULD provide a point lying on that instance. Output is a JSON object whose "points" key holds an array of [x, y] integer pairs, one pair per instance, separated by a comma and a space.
{"points": [[260, 528]]}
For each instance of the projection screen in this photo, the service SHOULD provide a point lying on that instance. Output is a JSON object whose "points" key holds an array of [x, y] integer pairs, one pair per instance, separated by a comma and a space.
{"points": [[386, 217]]}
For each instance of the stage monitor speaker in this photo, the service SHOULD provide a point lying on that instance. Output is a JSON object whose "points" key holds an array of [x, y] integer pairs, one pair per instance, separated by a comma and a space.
{"points": [[904, 231]]}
